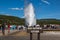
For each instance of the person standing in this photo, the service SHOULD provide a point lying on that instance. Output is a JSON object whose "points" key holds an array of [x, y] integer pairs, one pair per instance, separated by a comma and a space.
{"points": [[0, 26], [8, 28], [3, 28], [16, 26]]}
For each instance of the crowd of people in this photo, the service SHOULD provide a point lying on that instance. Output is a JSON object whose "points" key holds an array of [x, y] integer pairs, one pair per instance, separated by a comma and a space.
{"points": [[51, 26], [9, 27], [48, 26]]}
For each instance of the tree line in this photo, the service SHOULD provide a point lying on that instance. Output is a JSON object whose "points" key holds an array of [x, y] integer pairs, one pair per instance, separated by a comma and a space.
{"points": [[13, 20]]}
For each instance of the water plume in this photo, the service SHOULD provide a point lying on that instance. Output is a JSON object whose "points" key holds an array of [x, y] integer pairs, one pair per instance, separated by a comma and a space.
{"points": [[30, 15]]}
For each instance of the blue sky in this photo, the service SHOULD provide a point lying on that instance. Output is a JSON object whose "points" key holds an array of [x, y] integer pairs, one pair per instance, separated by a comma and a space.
{"points": [[43, 8]]}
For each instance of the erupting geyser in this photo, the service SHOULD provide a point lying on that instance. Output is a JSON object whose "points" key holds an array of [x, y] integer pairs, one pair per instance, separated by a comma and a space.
{"points": [[30, 19]]}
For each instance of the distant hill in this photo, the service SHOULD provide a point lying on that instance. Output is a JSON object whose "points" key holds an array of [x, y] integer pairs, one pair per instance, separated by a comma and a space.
{"points": [[21, 21], [48, 21], [11, 19]]}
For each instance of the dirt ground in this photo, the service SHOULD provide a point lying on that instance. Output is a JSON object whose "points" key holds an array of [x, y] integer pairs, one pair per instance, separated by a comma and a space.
{"points": [[25, 36]]}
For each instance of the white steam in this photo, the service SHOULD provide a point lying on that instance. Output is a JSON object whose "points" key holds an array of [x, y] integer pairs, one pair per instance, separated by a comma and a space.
{"points": [[29, 15]]}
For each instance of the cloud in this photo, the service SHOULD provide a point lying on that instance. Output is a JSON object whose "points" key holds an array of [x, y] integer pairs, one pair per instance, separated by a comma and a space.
{"points": [[5, 14], [16, 8], [23, 17], [45, 2]]}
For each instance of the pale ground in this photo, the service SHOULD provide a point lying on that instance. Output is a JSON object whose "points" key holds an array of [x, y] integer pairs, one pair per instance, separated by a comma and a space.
{"points": [[22, 35], [6, 32]]}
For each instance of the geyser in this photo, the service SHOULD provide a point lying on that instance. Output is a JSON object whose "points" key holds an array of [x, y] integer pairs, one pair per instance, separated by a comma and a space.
{"points": [[30, 19]]}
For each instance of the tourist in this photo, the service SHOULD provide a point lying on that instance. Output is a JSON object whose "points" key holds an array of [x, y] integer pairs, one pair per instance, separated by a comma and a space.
{"points": [[3, 28], [0, 26], [19, 27], [8, 28], [16, 26]]}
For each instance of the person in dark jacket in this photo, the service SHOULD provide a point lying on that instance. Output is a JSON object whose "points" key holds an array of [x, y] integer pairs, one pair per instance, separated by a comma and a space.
{"points": [[0, 26], [3, 28]]}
